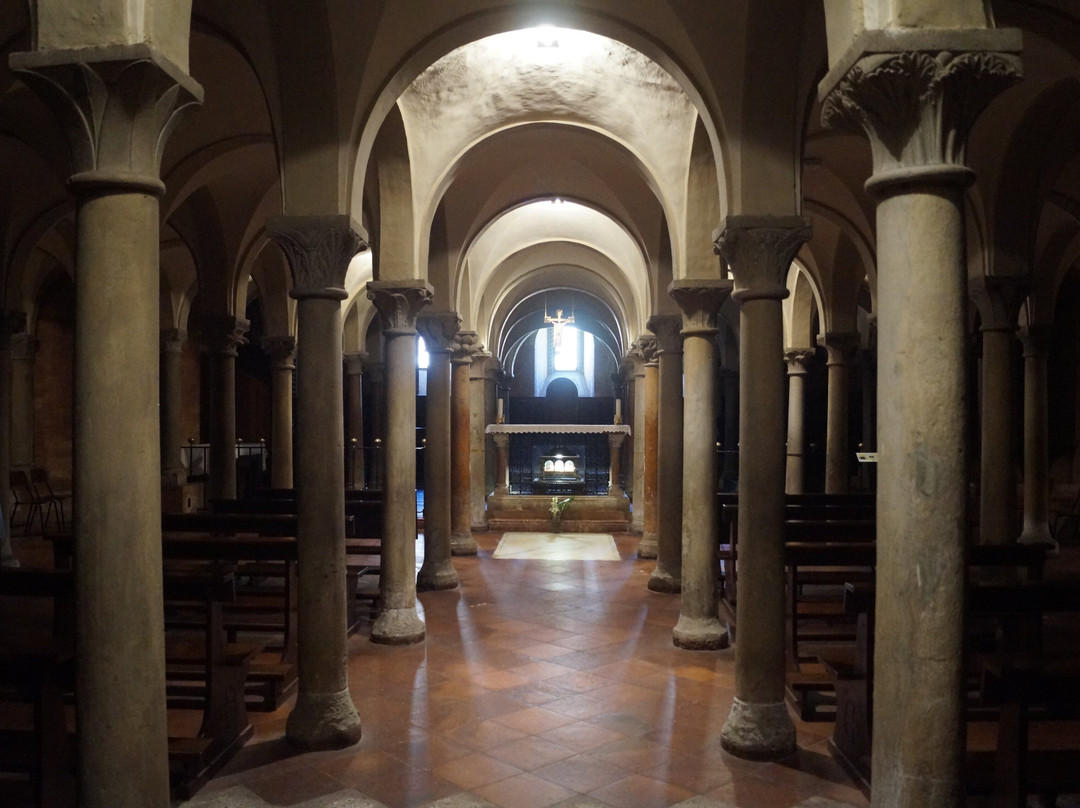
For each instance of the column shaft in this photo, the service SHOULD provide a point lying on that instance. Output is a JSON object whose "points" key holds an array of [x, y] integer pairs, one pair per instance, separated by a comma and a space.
{"points": [[667, 575], [796, 436], [462, 542], [837, 453], [647, 547], [637, 519], [282, 351], [172, 469], [354, 420], [997, 492], [1036, 477]]}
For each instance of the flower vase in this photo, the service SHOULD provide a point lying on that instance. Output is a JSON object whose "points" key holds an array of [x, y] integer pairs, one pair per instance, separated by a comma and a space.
{"points": [[556, 523]]}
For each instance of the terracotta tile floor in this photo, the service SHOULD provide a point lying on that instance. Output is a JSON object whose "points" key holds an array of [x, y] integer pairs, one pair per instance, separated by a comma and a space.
{"points": [[541, 683]]}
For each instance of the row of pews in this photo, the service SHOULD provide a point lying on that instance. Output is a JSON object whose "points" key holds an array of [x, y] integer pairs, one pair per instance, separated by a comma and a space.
{"points": [[230, 619], [1023, 672]]}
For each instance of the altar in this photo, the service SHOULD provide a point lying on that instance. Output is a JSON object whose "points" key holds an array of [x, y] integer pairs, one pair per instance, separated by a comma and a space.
{"points": [[538, 462]]}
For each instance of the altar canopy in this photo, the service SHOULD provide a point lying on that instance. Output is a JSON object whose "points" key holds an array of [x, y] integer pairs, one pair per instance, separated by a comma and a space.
{"points": [[559, 459]]}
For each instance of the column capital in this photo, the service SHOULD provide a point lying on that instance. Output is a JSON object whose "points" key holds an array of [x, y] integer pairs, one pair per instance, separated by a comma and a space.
{"points": [[841, 346], [318, 249], [484, 365], [354, 362], [759, 250], [282, 351], [23, 346], [647, 346], [117, 104], [668, 331], [998, 299], [797, 360], [916, 95], [220, 333], [439, 328], [466, 347], [399, 303], [1036, 340], [700, 300], [172, 340]]}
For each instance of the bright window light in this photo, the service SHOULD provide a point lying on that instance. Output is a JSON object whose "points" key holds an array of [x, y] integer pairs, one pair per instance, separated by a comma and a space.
{"points": [[422, 356]]}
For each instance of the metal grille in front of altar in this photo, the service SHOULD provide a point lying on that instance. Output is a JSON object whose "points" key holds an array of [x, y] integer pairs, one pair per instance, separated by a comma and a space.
{"points": [[525, 463]]}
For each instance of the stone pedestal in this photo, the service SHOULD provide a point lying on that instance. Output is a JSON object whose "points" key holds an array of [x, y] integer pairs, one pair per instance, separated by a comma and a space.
{"points": [[464, 347], [437, 571], [759, 250], [399, 303], [667, 575], [282, 351], [841, 347], [650, 526], [132, 94], [1036, 340], [698, 627], [319, 249], [916, 106], [796, 437]]}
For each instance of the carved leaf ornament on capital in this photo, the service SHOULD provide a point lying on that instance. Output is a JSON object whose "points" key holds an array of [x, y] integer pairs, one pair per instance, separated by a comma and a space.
{"points": [[918, 107], [318, 254], [668, 331], [650, 350], [439, 330], [465, 346], [400, 306], [760, 257]]}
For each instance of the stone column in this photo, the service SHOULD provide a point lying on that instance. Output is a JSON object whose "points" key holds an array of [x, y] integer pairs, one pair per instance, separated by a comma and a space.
{"points": [[502, 457], [647, 547], [699, 625], [354, 418], [730, 381], [482, 377], [868, 364], [1036, 340], [667, 575], [759, 250], [172, 342], [637, 518], [399, 302], [220, 336], [437, 571], [998, 300], [841, 347], [462, 542], [132, 94], [318, 249], [282, 351], [615, 442], [377, 456], [11, 323], [23, 350], [796, 437], [916, 107]]}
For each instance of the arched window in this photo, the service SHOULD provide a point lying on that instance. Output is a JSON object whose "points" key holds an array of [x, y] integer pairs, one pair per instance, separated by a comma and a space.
{"points": [[422, 359]]}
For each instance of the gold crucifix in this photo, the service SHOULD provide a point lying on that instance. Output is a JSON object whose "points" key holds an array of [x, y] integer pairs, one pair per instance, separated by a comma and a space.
{"points": [[557, 323]]}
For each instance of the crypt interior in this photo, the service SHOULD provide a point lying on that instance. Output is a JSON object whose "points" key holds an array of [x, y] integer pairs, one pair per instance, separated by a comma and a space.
{"points": [[377, 285]]}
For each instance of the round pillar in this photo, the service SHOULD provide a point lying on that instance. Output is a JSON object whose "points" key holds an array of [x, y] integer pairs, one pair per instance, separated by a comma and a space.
{"points": [[647, 547], [462, 542], [282, 351], [354, 420], [1036, 340], [841, 348], [667, 575], [796, 437]]}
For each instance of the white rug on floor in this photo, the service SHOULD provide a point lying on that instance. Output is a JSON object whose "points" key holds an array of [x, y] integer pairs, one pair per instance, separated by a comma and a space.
{"points": [[558, 546]]}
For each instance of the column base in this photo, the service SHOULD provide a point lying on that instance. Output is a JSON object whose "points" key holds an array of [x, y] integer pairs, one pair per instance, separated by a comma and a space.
{"points": [[664, 582], [699, 634], [435, 577], [462, 544], [323, 721], [647, 546], [758, 731], [1040, 534], [398, 627]]}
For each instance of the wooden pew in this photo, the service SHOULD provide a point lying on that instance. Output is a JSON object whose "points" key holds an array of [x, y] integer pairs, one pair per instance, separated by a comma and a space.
{"points": [[364, 518], [43, 672]]}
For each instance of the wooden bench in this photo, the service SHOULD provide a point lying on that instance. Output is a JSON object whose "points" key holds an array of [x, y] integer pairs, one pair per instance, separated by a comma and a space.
{"points": [[364, 518], [42, 672]]}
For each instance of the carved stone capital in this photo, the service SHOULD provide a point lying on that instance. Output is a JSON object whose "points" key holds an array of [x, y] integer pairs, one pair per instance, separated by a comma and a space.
{"points": [[354, 362], [635, 359], [759, 250], [172, 340], [438, 328], [118, 104], [318, 249], [1036, 340], [700, 300], [649, 349], [399, 303], [841, 346], [466, 347], [281, 350], [998, 299], [797, 359], [24, 347], [668, 331], [220, 333], [918, 105]]}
